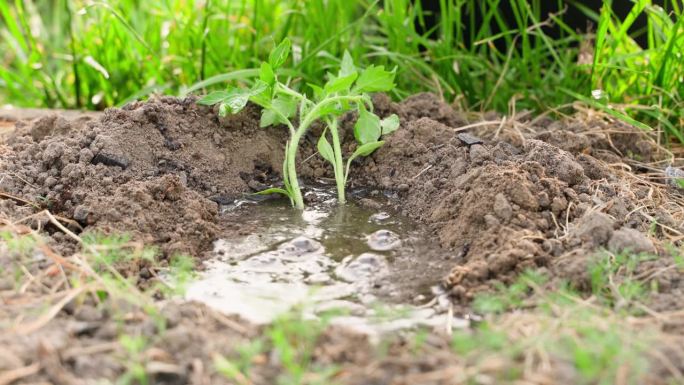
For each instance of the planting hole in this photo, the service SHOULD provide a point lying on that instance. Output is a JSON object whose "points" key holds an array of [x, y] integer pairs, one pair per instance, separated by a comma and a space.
{"points": [[325, 257]]}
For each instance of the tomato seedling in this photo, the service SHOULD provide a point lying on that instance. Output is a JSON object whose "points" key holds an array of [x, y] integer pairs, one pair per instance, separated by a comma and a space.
{"points": [[347, 91]]}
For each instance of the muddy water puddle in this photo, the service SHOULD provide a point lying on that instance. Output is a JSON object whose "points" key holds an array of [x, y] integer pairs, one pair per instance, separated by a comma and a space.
{"points": [[327, 258]]}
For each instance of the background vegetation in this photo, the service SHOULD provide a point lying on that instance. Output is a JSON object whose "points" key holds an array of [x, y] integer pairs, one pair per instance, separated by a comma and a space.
{"points": [[95, 54]]}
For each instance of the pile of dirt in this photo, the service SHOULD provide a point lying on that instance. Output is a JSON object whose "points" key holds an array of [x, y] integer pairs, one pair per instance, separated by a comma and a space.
{"points": [[549, 199], [156, 169]]}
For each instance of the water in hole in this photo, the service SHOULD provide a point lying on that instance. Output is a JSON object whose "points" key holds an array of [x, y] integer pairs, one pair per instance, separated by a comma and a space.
{"points": [[325, 258]]}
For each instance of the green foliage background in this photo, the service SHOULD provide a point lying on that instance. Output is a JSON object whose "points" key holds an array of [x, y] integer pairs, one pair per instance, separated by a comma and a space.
{"points": [[95, 54]]}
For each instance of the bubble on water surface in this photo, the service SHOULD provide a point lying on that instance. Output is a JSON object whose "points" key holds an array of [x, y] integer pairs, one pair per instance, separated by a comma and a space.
{"points": [[363, 268], [383, 240], [318, 279], [301, 245], [379, 217]]}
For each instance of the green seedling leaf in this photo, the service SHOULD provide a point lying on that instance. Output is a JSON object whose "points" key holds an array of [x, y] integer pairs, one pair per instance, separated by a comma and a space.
{"points": [[259, 87], [347, 66], [340, 83], [325, 149], [366, 149], [367, 128], [274, 190], [280, 53], [319, 93], [237, 98], [224, 110], [363, 150], [268, 118], [213, 98], [266, 74], [375, 79], [261, 93], [389, 124], [236, 101], [286, 105], [331, 109], [680, 182], [282, 108]]}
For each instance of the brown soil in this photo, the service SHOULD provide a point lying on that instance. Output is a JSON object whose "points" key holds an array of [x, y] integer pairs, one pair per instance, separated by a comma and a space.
{"points": [[547, 197], [498, 199], [156, 170]]}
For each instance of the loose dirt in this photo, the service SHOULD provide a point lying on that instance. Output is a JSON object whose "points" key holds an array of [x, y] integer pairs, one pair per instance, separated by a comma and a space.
{"points": [[495, 199]]}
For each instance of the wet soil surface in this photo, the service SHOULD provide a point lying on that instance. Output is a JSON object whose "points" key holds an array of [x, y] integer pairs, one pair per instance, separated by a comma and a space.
{"points": [[348, 258], [476, 206]]}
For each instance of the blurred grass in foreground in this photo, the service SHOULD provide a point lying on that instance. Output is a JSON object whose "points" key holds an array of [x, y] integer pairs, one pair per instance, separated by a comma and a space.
{"points": [[95, 54]]}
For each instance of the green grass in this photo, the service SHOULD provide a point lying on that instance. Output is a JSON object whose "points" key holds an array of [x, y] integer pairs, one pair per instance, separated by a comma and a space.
{"points": [[504, 298], [612, 284], [96, 54], [292, 341], [133, 360], [545, 324], [98, 272], [590, 345]]}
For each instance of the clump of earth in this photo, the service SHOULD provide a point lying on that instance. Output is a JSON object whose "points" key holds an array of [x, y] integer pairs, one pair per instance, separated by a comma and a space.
{"points": [[489, 203]]}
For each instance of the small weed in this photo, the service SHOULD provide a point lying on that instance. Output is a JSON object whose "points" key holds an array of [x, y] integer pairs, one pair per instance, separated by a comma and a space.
{"points": [[509, 297], [466, 342], [612, 280], [292, 341], [109, 250], [18, 246], [601, 353], [676, 254], [17, 249], [105, 253], [133, 360], [560, 330], [653, 228], [231, 370], [180, 274], [418, 340], [481, 344], [348, 90], [239, 369]]}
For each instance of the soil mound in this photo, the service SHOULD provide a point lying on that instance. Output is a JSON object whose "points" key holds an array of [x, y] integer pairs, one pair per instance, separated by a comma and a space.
{"points": [[155, 169], [550, 199]]}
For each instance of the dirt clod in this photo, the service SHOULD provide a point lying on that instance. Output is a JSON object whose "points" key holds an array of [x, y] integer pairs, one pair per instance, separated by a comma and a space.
{"points": [[594, 229], [630, 240]]}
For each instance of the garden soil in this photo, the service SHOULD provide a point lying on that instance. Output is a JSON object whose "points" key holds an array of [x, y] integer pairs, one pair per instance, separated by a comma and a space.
{"points": [[498, 197]]}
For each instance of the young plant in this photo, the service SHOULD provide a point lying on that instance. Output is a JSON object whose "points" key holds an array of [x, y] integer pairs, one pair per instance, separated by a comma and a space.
{"points": [[347, 91]]}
